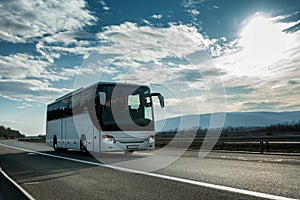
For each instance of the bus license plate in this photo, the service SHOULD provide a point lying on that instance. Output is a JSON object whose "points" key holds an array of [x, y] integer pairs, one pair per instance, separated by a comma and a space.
{"points": [[132, 146]]}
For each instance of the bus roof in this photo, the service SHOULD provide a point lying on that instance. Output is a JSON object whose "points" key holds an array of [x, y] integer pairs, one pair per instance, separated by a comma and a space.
{"points": [[93, 85]]}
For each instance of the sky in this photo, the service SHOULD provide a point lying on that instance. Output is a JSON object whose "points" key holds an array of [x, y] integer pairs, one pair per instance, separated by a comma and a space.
{"points": [[204, 56]]}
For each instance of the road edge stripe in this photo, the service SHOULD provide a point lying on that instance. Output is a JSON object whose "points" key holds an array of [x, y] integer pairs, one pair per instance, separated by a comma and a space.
{"points": [[16, 185]]}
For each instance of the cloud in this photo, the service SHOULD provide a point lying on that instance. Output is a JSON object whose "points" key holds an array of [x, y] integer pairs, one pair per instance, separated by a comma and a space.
{"points": [[175, 40], [260, 105], [292, 19], [104, 6], [151, 54], [157, 16], [64, 43], [29, 90], [25, 105], [239, 90], [22, 66], [190, 3], [69, 38], [23, 21], [194, 12], [57, 27], [54, 51], [11, 122], [174, 47]]}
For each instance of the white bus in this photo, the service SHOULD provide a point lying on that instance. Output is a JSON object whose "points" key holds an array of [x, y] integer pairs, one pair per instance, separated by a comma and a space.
{"points": [[103, 117]]}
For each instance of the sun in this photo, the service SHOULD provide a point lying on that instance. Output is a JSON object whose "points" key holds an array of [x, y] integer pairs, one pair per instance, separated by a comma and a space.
{"points": [[263, 42], [262, 46]]}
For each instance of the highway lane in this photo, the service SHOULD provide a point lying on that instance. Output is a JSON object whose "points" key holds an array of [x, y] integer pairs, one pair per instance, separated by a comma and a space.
{"points": [[52, 178]]}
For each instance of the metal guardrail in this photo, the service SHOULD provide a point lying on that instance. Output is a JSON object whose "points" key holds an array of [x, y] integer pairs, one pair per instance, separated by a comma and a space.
{"points": [[261, 144], [241, 138], [39, 140], [9, 189]]}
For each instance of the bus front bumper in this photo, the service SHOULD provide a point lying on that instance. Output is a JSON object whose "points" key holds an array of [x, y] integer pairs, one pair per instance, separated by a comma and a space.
{"points": [[118, 146]]}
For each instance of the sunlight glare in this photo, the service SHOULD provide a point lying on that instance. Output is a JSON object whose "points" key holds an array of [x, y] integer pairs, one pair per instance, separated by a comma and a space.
{"points": [[263, 43]]}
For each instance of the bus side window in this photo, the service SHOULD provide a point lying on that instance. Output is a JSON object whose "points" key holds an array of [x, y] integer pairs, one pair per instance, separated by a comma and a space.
{"points": [[50, 112], [76, 107], [88, 98], [65, 107], [56, 110]]}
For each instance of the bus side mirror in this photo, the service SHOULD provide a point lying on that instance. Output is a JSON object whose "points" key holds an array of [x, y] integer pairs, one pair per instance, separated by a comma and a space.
{"points": [[102, 98], [160, 97]]}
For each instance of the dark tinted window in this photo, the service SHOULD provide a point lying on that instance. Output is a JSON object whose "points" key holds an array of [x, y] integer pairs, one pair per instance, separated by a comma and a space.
{"points": [[65, 107], [53, 111]]}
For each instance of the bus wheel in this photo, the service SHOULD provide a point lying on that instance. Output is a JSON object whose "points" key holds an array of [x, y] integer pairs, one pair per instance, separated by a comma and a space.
{"points": [[55, 146], [129, 152], [83, 147]]}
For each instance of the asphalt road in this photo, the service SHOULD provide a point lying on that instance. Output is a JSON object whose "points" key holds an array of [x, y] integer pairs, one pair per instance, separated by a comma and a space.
{"points": [[217, 176]]}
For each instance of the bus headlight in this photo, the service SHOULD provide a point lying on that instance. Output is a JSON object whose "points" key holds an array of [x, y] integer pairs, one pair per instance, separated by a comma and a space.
{"points": [[151, 139], [108, 139]]}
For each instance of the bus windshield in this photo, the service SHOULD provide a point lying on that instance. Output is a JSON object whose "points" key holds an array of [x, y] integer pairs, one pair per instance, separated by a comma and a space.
{"points": [[126, 108]]}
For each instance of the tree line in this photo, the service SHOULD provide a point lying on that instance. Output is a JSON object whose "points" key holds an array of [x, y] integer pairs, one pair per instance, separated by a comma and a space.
{"points": [[8, 133]]}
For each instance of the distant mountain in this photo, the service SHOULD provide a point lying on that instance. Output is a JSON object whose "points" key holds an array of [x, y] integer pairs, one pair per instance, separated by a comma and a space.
{"points": [[233, 119]]}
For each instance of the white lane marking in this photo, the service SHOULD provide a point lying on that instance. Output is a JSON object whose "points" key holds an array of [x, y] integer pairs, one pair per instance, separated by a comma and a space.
{"points": [[208, 185], [31, 183], [16, 185], [143, 153]]}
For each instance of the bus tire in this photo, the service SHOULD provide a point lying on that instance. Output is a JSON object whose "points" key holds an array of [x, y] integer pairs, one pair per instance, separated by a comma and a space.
{"points": [[83, 144], [83, 148], [55, 146]]}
